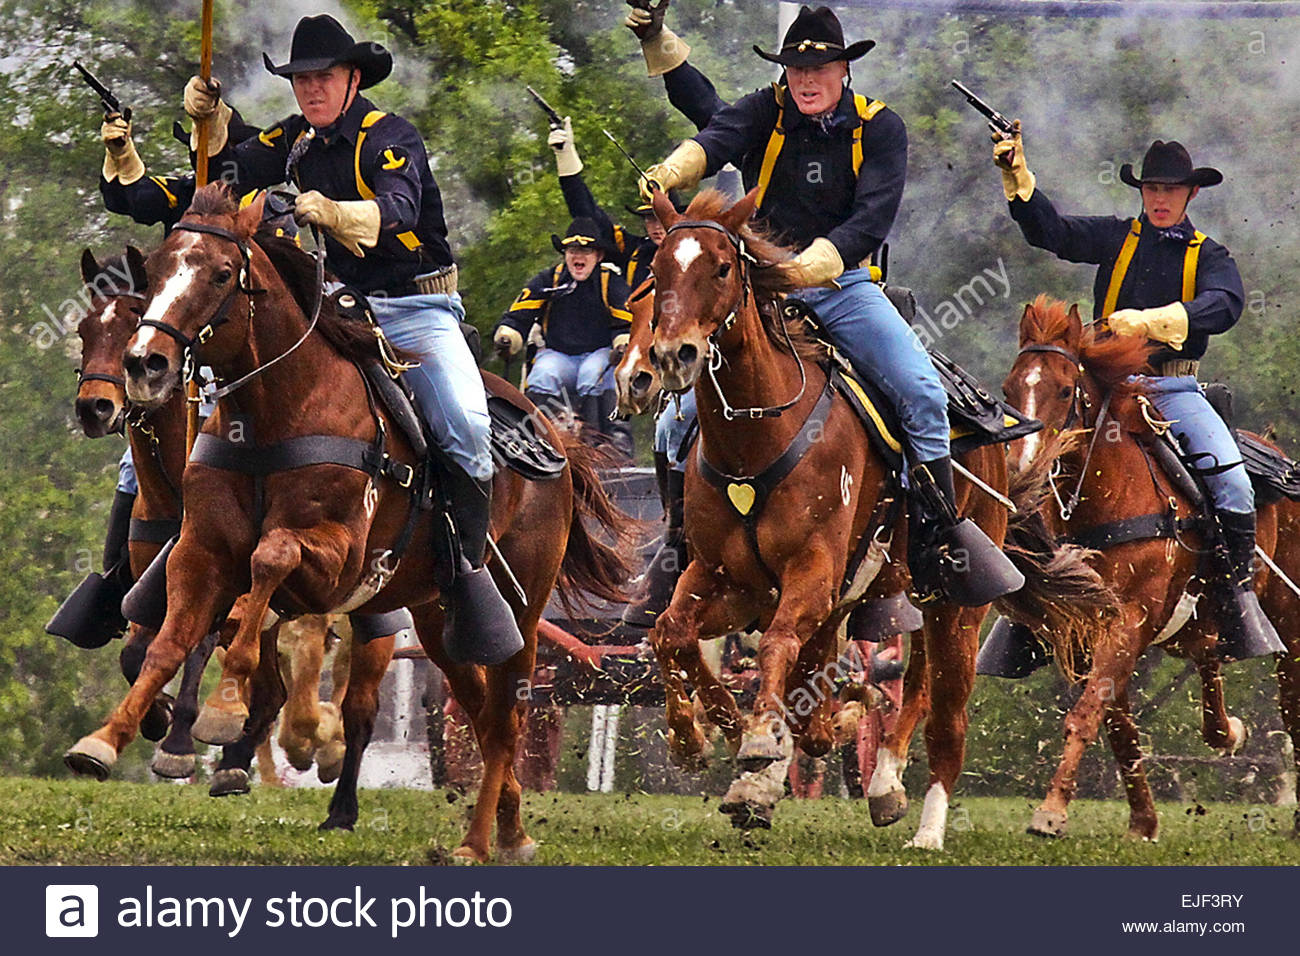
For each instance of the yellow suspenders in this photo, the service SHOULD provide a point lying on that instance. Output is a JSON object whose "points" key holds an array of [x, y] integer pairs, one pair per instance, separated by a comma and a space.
{"points": [[867, 109], [408, 239], [1190, 260], [524, 303]]}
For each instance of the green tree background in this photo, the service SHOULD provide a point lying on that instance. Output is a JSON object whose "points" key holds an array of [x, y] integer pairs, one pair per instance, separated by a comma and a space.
{"points": [[1092, 94]]}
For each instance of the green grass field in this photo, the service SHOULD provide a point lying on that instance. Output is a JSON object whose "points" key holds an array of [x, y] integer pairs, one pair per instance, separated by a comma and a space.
{"points": [[76, 822]]}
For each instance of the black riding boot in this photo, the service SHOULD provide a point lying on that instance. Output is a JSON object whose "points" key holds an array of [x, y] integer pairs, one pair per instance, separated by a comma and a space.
{"points": [[91, 616], [1011, 650], [660, 578], [1244, 629], [617, 430], [481, 628], [950, 556]]}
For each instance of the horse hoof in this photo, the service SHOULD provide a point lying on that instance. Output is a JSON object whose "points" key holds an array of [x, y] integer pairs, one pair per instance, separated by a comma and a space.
{"points": [[467, 856], [748, 816], [1238, 734], [91, 757], [1141, 835], [172, 766], [228, 783], [329, 772], [300, 759], [157, 720], [697, 762], [523, 853], [758, 749], [887, 808], [1047, 823], [329, 762], [218, 727], [926, 839], [337, 823]]}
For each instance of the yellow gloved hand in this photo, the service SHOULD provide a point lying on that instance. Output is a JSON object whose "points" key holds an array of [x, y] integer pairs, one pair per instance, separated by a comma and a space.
{"points": [[818, 265], [203, 102], [619, 345], [1165, 323], [646, 21], [121, 161], [567, 161], [1009, 157], [507, 341], [353, 223], [683, 169]]}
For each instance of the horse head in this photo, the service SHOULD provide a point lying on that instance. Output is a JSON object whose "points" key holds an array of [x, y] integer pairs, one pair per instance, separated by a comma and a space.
{"points": [[635, 378], [1045, 379], [701, 284], [116, 289], [198, 273]]}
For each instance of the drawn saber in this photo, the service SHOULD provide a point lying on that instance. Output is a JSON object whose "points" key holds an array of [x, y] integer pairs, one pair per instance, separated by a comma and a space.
{"points": [[1269, 563], [610, 136], [979, 483]]}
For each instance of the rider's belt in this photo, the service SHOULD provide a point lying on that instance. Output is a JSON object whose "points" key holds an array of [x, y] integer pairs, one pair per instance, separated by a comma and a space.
{"points": [[1178, 367], [442, 282]]}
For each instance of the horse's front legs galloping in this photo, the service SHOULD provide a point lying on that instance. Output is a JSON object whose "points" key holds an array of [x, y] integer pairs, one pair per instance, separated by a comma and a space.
{"points": [[192, 606]]}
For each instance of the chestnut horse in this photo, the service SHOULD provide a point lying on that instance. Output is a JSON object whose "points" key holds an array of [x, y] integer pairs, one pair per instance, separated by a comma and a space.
{"points": [[719, 329], [158, 451], [1062, 376], [311, 539]]}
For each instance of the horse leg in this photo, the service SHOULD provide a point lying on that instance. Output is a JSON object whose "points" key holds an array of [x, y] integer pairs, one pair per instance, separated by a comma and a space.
{"points": [[952, 640], [1288, 692], [707, 607], [1112, 664], [193, 604], [154, 724], [329, 753], [1143, 824], [886, 797], [369, 662], [266, 698], [174, 757], [1220, 731], [766, 746], [303, 646], [277, 555]]}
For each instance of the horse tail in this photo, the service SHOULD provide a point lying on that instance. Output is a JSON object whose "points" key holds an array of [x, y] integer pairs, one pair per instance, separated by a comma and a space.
{"points": [[1064, 598], [596, 564]]}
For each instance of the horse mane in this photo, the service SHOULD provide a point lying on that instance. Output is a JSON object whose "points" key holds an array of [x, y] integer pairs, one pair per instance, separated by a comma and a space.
{"points": [[768, 284], [1109, 359]]}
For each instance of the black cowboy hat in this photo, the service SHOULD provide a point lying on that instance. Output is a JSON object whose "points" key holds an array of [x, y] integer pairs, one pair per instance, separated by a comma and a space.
{"points": [[641, 209], [814, 38], [1169, 163], [321, 42], [582, 233]]}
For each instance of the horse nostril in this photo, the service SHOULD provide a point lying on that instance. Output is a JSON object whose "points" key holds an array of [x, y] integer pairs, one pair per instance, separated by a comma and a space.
{"points": [[156, 363], [104, 409], [687, 354], [641, 382], [654, 358], [133, 364]]}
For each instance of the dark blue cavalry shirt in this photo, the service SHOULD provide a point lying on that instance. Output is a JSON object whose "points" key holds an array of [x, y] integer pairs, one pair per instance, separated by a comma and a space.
{"points": [[1155, 274]]}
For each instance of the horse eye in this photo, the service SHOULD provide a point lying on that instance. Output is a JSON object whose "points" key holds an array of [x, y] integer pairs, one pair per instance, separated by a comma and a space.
{"points": [[222, 277], [724, 270], [1065, 391]]}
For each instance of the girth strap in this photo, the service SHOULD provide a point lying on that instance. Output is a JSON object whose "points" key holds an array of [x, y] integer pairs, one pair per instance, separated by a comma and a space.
{"points": [[748, 495], [300, 452], [1137, 528], [154, 530]]}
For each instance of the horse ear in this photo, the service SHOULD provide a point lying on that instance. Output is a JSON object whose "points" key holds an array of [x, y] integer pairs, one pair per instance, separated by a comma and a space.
{"points": [[89, 267], [135, 265], [1024, 323], [249, 218], [1076, 322], [664, 210], [739, 214]]}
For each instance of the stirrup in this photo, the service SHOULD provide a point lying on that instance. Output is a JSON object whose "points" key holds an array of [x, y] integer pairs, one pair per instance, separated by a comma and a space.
{"points": [[1011, 650], [481, 627], [1245, 630], [973, 571]]}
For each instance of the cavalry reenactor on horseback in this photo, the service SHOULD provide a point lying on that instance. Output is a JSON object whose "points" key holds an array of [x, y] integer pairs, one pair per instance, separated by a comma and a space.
{"points": [[366, 182], [829, 167], [1160, 277], [580, 309]]}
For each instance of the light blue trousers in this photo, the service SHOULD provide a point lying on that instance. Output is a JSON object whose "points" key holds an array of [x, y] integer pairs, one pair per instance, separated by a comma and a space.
{"points": [[126, 474], [670, 433], [866, 327], [1203, 435], [559, 373], [447, 384]]}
